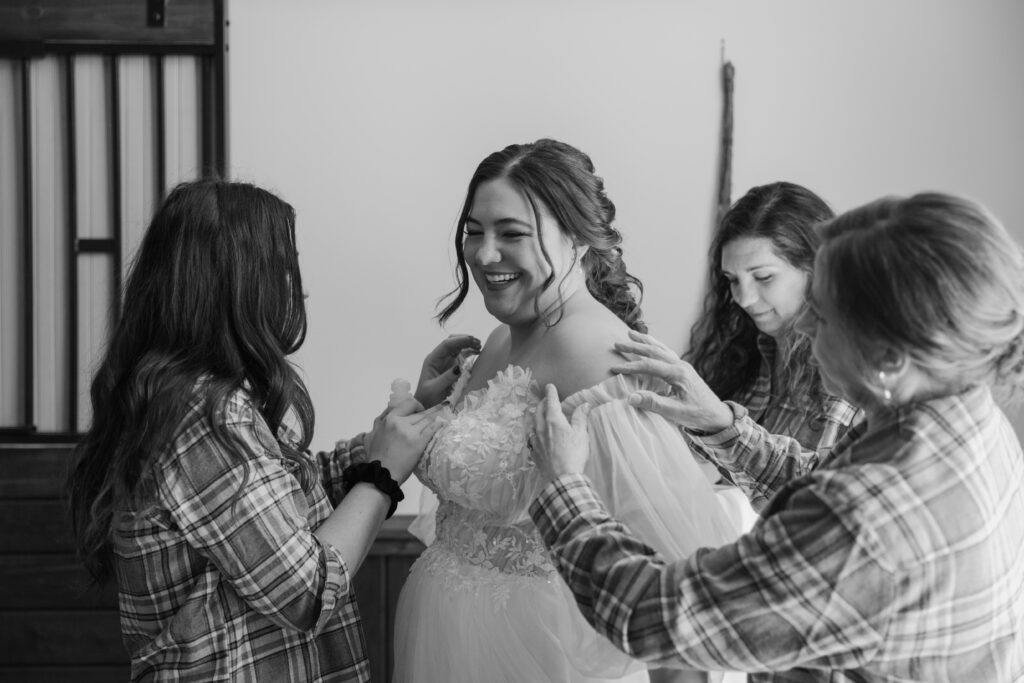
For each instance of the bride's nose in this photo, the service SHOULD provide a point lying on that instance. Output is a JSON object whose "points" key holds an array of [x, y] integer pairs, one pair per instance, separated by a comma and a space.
{"points": [[488, 252]]}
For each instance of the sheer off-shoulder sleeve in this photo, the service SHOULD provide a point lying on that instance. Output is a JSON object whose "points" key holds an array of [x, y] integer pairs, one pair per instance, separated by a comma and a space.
{"points": [[641, 466]]}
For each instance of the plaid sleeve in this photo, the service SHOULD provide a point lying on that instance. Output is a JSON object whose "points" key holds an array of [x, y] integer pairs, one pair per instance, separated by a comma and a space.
{"points": [[758, 461], [333, 462], [249, 517], [804, 589]]}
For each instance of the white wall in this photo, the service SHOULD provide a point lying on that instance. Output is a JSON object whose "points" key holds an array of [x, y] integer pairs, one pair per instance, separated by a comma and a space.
{"points": [[369, 116]]}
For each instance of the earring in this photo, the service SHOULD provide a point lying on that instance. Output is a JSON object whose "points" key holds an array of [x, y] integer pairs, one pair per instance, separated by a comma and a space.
{"points": [[886, 393]]}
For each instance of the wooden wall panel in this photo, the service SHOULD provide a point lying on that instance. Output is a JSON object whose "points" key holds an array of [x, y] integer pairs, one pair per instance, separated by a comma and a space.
{"points": [[61, 637], [187, 22], [55, 674]]}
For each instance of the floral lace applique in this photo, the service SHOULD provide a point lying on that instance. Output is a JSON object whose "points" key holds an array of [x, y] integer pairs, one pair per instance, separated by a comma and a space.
{"points": [[458, 575], [480, 469]]}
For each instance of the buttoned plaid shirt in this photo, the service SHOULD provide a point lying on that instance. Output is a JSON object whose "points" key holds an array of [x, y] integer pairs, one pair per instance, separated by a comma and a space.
{"points": [[899, 559], [774, 438], [222, 578]]}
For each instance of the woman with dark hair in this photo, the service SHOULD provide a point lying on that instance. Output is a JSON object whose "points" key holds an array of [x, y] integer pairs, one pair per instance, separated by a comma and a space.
{"points": [[900, 557], [194, 488], [483, 602], [750, 396]]}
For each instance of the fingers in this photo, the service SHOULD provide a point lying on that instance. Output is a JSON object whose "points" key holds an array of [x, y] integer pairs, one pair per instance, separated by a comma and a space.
{"points": [[427, 415], [432, 428], [652, 341], [579, 418], [657, 352], [552, 404], [454, 344], [407, 406], [655, 403], [670, 372]]}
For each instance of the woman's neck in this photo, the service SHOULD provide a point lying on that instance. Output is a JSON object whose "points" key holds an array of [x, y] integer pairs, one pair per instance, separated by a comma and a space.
{"points": [[574, 296], [526, 338]]}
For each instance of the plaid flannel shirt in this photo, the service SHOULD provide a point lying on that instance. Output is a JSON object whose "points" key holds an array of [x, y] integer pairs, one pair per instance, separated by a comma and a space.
{"points": [[214, 587], [772, 441], [900, 559]]}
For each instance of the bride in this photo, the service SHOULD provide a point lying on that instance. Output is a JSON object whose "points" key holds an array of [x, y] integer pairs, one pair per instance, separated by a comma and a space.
{"points": [[484, 602]]}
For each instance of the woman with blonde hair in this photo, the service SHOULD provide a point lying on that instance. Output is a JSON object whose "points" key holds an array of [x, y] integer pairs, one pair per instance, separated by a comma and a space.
{"points": [[898, 558]]}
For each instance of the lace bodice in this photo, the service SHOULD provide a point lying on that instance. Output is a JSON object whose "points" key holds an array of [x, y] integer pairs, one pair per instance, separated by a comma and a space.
{"points": [[480, 469]]}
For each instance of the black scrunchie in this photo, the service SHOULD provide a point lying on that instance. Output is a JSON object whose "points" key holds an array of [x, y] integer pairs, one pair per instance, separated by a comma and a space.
{"points": [[373, 473]]}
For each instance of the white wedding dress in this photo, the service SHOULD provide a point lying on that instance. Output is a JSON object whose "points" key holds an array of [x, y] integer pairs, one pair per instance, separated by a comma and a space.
{"points": [[483, 603]]}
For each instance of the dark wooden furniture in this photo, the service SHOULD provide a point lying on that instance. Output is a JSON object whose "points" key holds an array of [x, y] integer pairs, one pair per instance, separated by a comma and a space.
{"points": [[54, 628]]}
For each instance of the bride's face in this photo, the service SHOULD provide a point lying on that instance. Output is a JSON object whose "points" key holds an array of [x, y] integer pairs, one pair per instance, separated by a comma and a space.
{"points": [[503, 251]]}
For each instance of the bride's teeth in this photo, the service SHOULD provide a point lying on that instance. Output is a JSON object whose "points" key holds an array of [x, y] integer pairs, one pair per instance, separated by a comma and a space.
{"points": [[504, 277]]}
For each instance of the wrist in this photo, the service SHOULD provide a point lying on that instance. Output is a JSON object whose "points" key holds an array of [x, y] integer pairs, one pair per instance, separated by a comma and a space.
{"points": [[726, 415], [374, 474]]}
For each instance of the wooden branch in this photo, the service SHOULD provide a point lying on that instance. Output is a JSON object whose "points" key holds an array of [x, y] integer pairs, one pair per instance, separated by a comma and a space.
{"points": [[725, 149]]}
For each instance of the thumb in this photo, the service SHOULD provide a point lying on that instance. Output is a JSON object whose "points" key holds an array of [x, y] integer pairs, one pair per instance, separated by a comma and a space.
{"points": [[579, 418], [648, 400]]}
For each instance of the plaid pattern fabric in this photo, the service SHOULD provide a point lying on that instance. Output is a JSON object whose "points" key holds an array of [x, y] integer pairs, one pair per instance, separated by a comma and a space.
{"points": [[900, 559], [774, 440], [221, 579]]}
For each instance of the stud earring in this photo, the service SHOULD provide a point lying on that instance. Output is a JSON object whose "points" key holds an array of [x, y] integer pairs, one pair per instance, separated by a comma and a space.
{"points": [[886, 393]]}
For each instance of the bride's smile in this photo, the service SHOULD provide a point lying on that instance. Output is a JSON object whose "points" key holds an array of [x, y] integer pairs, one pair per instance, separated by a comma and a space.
{"points": [[513, 261]]}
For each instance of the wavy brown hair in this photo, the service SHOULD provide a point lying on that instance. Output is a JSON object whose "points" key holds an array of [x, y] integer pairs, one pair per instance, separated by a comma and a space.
{"points": [[562, 178], [213, 305], [723, 341]]}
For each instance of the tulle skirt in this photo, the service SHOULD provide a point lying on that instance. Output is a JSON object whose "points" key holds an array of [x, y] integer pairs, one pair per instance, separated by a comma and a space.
{"points": [[462, 623]]}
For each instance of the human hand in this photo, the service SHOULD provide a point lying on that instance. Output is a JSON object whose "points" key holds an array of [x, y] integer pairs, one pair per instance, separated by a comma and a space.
{"points": [[399, 436], [441, 368], [559, 447], [690, 402]]}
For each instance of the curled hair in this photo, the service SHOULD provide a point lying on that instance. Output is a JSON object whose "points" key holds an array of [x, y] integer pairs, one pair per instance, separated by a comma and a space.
{"points": [[723, 341], [561, 178], [933, 276], [213, 304]]}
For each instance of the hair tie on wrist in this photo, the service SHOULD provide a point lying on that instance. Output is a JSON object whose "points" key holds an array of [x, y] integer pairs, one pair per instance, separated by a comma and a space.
{"points": [[378, 475]]}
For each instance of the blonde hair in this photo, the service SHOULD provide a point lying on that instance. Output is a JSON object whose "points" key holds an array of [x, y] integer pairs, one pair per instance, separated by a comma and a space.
{"points": [[936, 277]]}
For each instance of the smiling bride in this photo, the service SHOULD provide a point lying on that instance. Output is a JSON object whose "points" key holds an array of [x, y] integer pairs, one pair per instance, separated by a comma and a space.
{"points": [[484, 601]]}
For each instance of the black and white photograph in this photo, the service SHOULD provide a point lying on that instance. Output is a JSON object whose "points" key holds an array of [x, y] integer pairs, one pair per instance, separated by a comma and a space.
{"points": [[512, 341]]}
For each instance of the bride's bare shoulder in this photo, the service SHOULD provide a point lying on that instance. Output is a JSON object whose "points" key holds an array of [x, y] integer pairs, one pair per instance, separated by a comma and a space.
{"points": [[492, 358], [580, 351]]}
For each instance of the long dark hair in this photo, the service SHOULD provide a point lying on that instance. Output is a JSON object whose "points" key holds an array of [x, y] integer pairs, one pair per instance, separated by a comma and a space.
{"points": [[562, 178], [213, 304], [723, 341]]}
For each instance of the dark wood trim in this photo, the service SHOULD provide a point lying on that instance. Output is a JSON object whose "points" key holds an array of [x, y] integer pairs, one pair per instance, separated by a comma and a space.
{"points": [[159, 108], [33, 472], [61, 637], [50, 582], [220, 90], [82, 673], [90, 23], [95, 245], [42, 527]]}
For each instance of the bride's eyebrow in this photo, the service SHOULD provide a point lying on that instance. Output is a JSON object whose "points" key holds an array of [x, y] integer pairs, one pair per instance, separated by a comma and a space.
{"points": [[514, 221], [504, 222]]}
